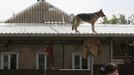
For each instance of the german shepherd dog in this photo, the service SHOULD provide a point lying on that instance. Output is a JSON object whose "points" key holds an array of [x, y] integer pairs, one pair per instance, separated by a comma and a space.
{"points": [[87, 17]]}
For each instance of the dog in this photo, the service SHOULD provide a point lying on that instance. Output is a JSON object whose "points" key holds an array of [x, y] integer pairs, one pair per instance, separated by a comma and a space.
{"points": [[87, 17]]}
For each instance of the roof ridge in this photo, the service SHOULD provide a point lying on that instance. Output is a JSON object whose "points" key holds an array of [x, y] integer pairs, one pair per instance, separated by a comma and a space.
{"points": [[37, 9], [57, 8]]}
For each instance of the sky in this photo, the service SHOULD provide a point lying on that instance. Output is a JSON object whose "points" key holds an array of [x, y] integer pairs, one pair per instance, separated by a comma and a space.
{"points": [[109, 7]]}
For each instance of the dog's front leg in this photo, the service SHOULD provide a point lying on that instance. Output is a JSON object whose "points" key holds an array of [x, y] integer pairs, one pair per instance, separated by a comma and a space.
{"points": [[93, 27]]}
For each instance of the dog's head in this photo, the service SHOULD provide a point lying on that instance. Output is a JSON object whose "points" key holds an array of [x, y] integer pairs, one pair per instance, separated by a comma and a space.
{"points": [[101, 13]]}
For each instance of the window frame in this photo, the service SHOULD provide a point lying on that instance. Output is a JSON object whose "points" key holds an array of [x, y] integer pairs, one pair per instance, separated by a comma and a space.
{"points": [[89, 61], [37, 60], [9, 59]]}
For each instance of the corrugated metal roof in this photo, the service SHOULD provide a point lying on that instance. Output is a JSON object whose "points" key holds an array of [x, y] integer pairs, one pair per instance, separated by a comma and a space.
{"points": [[85, 29]]}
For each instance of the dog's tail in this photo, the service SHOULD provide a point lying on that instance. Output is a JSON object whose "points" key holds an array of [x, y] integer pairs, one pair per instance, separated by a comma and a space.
{"points": [[74, 23]]}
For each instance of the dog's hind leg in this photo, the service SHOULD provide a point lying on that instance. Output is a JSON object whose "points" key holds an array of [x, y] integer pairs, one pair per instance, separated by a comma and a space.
{"points": [[73, 24], [76, 24]]}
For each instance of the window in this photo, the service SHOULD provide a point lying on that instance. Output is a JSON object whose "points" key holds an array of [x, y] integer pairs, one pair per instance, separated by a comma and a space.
{"points": [[41, 61], [79, 63], [123, 49], [8, 60]]}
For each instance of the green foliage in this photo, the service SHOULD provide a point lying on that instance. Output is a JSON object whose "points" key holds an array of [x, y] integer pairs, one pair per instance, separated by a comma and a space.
{"points": [[115, 20], [122, 19]]}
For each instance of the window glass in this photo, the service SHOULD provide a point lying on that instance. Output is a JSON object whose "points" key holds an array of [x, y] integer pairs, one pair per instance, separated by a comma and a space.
{"points": [[41, 61], [13, 60]]}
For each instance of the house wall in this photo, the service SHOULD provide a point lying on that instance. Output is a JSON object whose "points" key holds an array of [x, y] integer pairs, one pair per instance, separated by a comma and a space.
{"points": [[104, 56], [58, 56], [69, 49], [27, 53], [62, 53]]}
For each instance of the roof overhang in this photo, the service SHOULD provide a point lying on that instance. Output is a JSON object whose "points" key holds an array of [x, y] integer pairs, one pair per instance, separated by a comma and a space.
{"points": [[66, 35]]}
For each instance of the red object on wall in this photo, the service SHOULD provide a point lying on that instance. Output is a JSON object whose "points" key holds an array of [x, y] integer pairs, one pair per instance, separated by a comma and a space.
{"points": [[49, 50]]}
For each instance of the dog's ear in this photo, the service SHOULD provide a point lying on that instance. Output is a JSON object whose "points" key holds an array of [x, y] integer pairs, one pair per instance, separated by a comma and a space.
{"points": [[100, 9]]}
